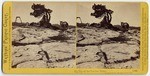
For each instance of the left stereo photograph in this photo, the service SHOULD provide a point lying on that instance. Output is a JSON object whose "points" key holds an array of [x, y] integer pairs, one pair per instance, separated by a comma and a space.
{"points": [[43, 35]]}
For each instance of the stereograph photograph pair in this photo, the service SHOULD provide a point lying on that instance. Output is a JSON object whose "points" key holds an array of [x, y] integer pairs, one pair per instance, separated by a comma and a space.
{"points": [[75, 37]]}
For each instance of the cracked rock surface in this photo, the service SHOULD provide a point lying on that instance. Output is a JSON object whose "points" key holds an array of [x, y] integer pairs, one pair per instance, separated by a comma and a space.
{"points": [[39, 47], [105, 48]]}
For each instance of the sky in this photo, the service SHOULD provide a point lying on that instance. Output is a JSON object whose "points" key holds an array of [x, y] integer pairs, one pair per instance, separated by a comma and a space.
{"points": [[61, 12], [123, 12]]}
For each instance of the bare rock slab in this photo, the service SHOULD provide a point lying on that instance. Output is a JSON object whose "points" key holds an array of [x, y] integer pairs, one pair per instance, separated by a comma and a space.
{"points": [[119, 51], [94, 65], [95, 35], [25, 53], [127, 65], [87, 53], [59, 50], [33, 64], [34, 35], [65, 64]]}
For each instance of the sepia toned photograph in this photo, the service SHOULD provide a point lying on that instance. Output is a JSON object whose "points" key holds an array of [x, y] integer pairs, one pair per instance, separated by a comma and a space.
{"points": [[82, 35], [108, 35], [43, 35]]}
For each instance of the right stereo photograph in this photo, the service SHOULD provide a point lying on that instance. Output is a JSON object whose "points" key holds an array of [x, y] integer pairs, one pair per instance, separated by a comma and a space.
{"points": [[108, 35]]}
